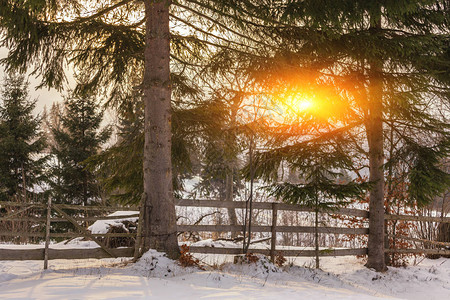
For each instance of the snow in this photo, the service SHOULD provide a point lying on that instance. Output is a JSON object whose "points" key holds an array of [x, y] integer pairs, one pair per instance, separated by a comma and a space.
{"points": [[155, 276], [102, 226]]}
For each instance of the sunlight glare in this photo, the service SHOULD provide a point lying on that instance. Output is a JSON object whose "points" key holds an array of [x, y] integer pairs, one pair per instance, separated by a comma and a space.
{"points": [[299, 104]]}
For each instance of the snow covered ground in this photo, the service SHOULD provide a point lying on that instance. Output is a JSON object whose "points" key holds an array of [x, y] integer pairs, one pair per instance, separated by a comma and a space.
{"points": [[156, 277]]}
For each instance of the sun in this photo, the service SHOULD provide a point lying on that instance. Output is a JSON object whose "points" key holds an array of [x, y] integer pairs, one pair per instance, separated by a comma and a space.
{"points": [[303, 104], [298, 103]]}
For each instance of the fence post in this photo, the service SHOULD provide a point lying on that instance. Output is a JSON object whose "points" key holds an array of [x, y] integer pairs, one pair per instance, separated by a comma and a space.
{"points": [[273, 239], [47, 232], [138, 242]]}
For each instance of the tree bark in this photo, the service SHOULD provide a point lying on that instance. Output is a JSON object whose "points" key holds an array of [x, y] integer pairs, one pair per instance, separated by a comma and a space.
{"points": [[376, 161], [316, 236], [229, 197], [229, 181], [160, 229]]}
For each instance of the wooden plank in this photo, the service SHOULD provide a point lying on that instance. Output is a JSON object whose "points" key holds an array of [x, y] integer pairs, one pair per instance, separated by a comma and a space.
{"points": [[417, 218], [24, 219], [266, 205], [12, 203], [47, 232], [99, 208], [140, 225], [208, 228], [419, 251], [81, 219], [329, 230], [273, 237], [63, 235], [100, 218], [205, 203], [38, 254], [260, 228], [212, 228], [83, 230], [11, 215], [22, 234], [307, 253], [419, 240], [352, 212], [69, 206]]}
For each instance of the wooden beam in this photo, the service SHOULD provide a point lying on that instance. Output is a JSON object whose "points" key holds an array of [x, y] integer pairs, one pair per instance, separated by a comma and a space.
{"points": [[417, 218], [11, 215], [299, 253], [419, 251], [47, 232], [81, 219], [261, 228], [83, 230], [24, 219], [273, 239], [266, 205], [445, 244], [205, 203], [38, 254], [63, 235], [69, 206], [12, 203], [99, 208], [22, 234]]}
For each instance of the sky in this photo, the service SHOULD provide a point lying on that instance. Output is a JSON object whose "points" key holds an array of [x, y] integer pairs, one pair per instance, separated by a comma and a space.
{"points": [[44, 96]]}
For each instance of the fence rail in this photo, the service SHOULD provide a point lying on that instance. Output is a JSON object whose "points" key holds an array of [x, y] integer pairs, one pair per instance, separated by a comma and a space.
{"points": [[266, 205], [38, 254], [417, 218], [274, 228], [285, 252]]}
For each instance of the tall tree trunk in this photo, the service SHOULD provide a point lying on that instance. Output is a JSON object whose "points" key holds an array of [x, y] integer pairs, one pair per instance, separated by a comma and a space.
{"points": [[85, 193], [231, 140], [389, 257], [160, 229], [316, 236], [376, 161], [24, 185], [229, 197]]}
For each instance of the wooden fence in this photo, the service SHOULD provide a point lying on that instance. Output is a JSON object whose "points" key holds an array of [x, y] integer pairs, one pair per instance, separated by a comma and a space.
{"points": [[104, 252], [273, 229]]}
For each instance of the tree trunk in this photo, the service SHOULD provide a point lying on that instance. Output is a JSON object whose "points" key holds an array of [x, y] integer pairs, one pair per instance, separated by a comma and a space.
{"points": [[229, 183], [316, 236], [229, 197], [160, 229], [376, 161]]}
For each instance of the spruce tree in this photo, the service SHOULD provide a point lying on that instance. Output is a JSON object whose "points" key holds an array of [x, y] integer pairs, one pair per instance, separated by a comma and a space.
{"points": [[121, 46], [373, 57], [22, 160], [321, 189], [77, 139]]}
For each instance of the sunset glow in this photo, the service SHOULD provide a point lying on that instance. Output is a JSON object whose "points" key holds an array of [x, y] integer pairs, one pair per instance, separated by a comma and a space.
{"points": [[297, 103]]}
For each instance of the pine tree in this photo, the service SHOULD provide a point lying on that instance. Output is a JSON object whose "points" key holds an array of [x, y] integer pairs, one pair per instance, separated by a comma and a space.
{"points": [[21, 141], [321, 188], [123, 46], [372, 57], [77, 139]]}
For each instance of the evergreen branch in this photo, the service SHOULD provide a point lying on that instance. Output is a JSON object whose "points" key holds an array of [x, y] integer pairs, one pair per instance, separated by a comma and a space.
{"points": [[221, 13], [185, 63], [210, 34], [215, 21], [195, 39], [97, 14]]}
